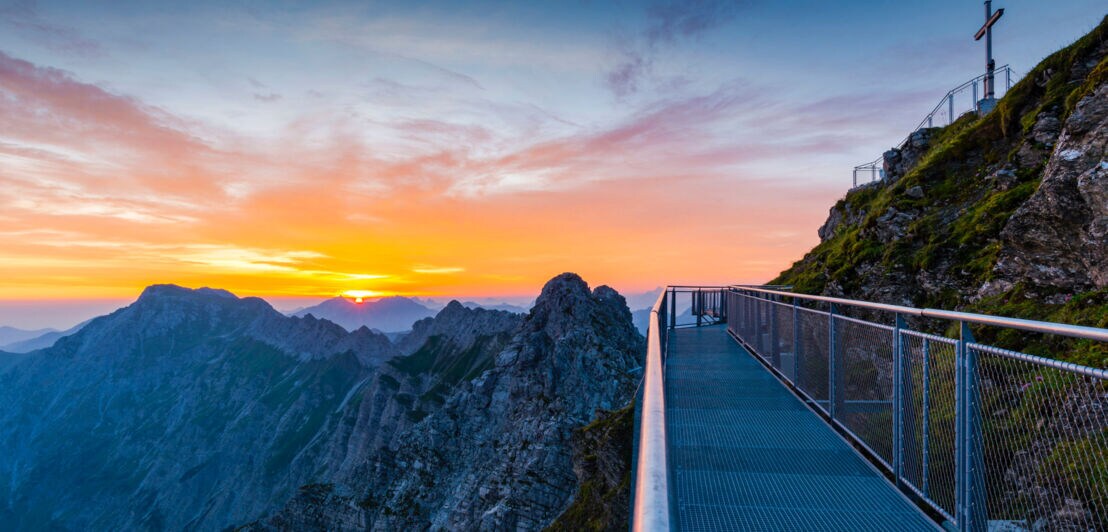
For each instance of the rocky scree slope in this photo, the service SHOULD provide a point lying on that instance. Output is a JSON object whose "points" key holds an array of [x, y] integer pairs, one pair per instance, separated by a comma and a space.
{"points": [[494, 449], [1003, 214]]}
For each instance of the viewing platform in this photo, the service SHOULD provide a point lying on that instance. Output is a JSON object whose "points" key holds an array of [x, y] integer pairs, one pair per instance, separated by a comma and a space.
{"points": [[761, 409], [749, 455]]}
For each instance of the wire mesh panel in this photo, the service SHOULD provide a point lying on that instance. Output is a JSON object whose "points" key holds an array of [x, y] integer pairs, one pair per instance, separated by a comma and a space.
{"points": [[784, 355], [761, 326], [812, 355], [929, 434], [989, 438], [1045, 442], [864, 400]]}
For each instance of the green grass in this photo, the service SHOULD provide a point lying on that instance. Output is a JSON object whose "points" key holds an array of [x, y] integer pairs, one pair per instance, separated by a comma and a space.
{"points": [[958, 223]]}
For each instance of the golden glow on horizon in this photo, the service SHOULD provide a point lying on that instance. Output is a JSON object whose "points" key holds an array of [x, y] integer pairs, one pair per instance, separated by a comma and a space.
{"points": [[139, 197], [359, 296]]}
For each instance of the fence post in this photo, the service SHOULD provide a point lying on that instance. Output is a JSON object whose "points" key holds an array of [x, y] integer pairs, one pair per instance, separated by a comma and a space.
{"points": [[796, 343], [774, 344], [971, 512], [762, 325], [898, 399], [748, 311], [672, 308], [699, 305], [950, 106], [832, 365], [926, 415], [724, 308]]}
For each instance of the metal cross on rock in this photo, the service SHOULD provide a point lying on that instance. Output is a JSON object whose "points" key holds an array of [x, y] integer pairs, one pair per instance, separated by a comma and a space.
{"points": [[989, 101]]}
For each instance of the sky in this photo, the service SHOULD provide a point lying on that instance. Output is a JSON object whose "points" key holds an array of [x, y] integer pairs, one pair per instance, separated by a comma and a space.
{"points": [[299, 150]]}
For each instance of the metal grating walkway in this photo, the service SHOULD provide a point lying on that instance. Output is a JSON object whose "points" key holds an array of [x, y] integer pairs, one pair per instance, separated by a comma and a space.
{"points": [[746, 454]]}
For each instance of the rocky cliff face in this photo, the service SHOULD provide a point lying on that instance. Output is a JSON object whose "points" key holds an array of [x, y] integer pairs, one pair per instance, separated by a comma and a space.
{"points": [[602, 462], [1057, 241], [497, 452], [1006, 213]]}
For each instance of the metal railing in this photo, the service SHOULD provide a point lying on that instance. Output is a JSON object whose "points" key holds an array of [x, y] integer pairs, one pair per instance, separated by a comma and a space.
{"points": [[950, 107], [651, 502], [985, 437], [651, 505]]}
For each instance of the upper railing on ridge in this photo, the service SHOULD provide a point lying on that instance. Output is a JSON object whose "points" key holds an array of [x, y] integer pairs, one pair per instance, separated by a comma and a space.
{"points": [[952, 105]]}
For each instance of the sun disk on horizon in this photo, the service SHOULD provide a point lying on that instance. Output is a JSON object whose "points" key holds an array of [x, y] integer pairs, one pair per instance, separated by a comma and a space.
{"points": [[359, 296]]}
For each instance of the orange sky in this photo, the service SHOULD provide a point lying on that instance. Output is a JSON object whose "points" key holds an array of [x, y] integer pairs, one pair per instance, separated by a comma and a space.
{"points": [[456, 149], [105, 195]]}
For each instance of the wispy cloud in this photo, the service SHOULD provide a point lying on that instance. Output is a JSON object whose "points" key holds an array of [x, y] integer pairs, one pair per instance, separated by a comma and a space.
{"points": [[146, 196], [668, 22], [23, 16], [429, 270]]}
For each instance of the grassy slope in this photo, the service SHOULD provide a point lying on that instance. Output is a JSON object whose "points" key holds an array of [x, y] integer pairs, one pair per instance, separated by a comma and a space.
{"points": [[961, 217]]}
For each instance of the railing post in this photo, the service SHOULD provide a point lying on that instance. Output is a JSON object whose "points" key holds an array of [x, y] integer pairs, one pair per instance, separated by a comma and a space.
{"points": [[699, 305], [796, 342], [926, 415], [723, 306], [898, 398], [774, 345], [673, 308], [971, 512], [833, 372]]}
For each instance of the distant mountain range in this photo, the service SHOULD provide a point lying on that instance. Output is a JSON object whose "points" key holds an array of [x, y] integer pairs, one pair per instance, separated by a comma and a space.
{"points": [[388, 314], [33, 340], [487, 304], [199, 410], [11, 335]]}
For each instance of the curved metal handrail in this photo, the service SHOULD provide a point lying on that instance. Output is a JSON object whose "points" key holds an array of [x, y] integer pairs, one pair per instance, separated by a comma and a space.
{"points": [[1075, 331], [651, 507]]}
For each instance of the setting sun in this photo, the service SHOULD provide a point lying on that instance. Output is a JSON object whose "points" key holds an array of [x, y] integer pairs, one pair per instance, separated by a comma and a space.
{"points": [[359, 296]]}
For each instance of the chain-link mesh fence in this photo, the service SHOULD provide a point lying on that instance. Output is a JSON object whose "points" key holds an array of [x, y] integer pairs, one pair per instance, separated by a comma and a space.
{"points": [[988, 438]]}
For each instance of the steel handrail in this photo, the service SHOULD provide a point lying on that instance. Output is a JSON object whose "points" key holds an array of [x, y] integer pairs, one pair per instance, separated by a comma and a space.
{"points": [[651, 506], [1074, 331]]}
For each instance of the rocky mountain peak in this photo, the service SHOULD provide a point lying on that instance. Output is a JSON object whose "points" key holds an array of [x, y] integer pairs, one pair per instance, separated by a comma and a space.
{"points": [[459, 325], [163, 291], [565, 302], [491, 448]]}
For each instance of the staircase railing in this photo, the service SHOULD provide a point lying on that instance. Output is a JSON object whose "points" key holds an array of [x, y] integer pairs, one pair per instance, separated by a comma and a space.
{"points": [[952, 105], [980, 434]]}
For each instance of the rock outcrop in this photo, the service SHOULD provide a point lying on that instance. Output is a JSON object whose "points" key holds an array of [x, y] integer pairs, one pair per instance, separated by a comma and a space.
{"points": [[898, 161], [602, 462], [497, 453], [1057, 241]]}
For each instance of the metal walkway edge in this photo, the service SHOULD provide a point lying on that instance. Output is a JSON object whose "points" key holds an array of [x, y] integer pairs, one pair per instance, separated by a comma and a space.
{"points": [[746, 454]]}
